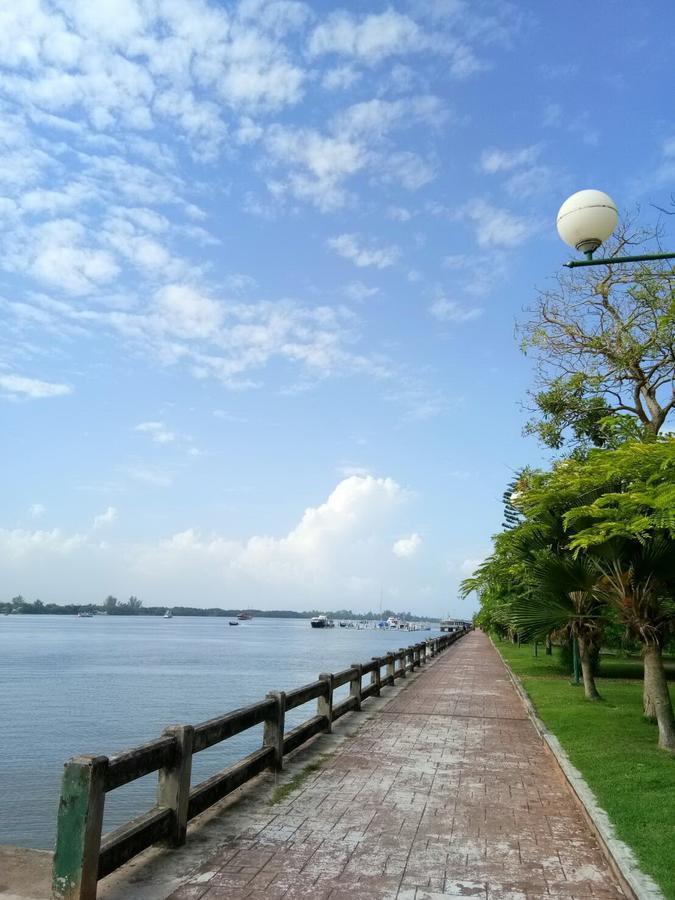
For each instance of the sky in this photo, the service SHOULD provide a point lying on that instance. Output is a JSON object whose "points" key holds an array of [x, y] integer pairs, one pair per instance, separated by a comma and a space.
{"points": [[260, 267]]}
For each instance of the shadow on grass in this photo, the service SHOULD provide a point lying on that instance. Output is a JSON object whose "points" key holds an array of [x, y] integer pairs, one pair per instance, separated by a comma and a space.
{"points": [[524, 662]]}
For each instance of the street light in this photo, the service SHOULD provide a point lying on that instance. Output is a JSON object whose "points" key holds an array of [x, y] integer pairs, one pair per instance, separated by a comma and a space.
{"points": [[585, 221]]}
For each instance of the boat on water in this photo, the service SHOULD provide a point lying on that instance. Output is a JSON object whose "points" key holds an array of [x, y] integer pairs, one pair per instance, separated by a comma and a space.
{"points": [[452, 625], [244, 617], [321, 622], [233, 623], [83, 614], [168, 614]]}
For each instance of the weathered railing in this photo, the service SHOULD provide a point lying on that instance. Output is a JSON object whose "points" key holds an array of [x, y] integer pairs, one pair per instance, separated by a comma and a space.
{"points": [[83, 855]]}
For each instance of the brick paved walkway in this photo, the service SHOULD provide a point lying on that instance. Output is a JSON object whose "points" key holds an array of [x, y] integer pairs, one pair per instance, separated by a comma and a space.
{"points": [[447, 791]]}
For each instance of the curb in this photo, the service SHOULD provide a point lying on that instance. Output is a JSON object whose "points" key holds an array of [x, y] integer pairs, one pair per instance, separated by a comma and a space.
{"points": [[634, 882]]}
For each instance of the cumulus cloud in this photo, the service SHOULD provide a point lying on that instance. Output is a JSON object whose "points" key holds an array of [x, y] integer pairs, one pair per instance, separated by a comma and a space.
{"points": [[18, 386], [350, 247], [406, 547], [347, 536], [36, 510]]}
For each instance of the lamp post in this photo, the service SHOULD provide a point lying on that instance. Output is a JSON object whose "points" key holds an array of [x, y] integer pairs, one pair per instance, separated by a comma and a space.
{"points": [[585, 221]]}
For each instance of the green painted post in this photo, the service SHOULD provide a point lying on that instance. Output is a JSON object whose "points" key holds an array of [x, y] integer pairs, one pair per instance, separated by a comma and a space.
{"points": [[78, 828]]}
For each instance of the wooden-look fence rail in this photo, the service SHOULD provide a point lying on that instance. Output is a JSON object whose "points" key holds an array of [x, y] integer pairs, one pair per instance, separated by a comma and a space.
{"points": [[83, 855]]}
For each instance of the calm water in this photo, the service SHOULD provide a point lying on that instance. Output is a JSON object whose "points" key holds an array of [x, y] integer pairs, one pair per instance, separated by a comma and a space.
{"points": [[70, 686]]}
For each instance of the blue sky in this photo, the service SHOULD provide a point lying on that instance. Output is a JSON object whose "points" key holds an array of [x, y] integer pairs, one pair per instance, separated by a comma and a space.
{"points": [[261, 264]]}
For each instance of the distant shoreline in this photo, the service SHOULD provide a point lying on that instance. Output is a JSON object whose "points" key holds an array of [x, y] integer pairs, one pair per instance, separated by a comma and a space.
{"points": [[188, 612]]}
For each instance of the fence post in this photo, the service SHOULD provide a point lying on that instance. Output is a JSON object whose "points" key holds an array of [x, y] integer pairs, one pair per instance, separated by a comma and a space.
{"points": [[173, 783], [402, 653], [422, 653], [355, 685], [375, 677], [78, 829], [273, 729], [324, 705], [391, 667]]}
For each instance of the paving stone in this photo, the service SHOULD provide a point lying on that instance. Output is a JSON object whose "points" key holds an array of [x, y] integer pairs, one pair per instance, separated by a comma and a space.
{"points": [[446, 792]]}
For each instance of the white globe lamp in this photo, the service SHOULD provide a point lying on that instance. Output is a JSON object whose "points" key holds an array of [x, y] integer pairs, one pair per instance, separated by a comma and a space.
{"points": [[586, 220]]}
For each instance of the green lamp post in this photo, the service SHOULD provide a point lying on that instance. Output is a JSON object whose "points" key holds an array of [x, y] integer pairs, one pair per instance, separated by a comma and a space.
{"points": [[585, 221]]}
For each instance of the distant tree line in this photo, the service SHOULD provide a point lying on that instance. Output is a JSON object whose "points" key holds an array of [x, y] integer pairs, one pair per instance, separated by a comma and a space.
{"points": [[111, 606]]}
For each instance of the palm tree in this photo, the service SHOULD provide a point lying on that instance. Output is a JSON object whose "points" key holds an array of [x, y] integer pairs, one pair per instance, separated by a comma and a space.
{"points": [[563, 595], [639, 581]]}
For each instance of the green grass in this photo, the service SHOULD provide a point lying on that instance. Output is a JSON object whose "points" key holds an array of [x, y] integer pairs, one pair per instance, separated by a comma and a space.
{"points": [[283, 790], [614, 748]]}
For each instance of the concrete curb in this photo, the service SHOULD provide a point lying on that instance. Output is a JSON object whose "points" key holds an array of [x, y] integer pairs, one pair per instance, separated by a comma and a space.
{"points": [[634, 882]]}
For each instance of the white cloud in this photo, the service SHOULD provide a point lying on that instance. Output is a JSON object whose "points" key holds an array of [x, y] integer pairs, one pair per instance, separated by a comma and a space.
{"points": [[105, 518], [36, 510], [359, 291], [370, 38], [350, 247], [407, 547], [446, 310], [340, 78], [158, 432], [494, 160], [318, 163], [497, 227], [32, 546], [18, 386], [469, 566], [331, 542], [185, 312]]}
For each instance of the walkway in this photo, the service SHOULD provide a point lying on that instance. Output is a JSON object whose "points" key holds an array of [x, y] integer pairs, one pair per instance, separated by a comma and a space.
{"points": [[447, 791]]}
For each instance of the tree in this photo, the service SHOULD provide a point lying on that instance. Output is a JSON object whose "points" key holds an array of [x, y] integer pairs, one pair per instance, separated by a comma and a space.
{"points": [[135, 604], [618, 508], [564, 595], [604, 343], [110, 604]]}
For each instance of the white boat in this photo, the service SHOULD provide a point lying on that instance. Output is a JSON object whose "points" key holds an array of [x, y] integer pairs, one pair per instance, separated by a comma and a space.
{"points": [[168, 614], [85, 615], [321, 622]]}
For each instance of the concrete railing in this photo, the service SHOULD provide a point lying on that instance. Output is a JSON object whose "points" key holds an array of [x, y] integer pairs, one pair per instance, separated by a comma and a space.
{"points": [[83, 855]]}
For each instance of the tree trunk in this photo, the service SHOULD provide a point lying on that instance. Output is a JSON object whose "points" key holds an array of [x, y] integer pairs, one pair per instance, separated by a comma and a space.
{"points": [[656, 687], [590, 690], [648, 707], [549, 647]]}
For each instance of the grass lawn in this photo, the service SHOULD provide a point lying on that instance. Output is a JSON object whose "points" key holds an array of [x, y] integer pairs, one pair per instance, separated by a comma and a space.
{"points": [[614, 749]]}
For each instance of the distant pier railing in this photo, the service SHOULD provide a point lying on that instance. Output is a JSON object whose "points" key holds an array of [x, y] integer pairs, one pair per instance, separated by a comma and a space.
{"points": [[83, 855]]}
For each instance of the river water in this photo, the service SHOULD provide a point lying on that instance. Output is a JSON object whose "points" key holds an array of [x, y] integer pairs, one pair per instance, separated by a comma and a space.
{"points": [[70, 686]]}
